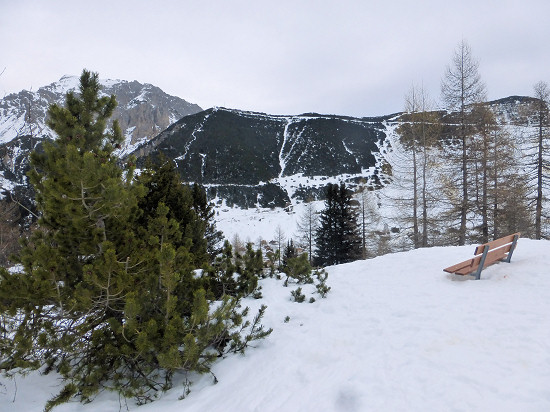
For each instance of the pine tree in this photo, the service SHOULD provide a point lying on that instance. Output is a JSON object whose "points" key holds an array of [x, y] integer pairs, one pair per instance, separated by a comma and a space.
{"points": [[108, 296], [338, 238], [205, 211], [289, 252], [187, 205], [10, 221], [233, 273], [77, 264], [296, 266]]}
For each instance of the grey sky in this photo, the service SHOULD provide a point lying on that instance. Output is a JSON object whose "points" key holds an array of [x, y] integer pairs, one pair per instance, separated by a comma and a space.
{"points": [[355, 58]]}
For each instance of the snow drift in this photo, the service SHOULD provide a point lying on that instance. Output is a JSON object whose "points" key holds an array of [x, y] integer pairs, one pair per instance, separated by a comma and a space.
{"points": [[395, 333]]}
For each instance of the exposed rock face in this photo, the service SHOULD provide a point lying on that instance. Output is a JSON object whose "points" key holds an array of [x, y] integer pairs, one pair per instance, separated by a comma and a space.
{"points": [[143, 110]]}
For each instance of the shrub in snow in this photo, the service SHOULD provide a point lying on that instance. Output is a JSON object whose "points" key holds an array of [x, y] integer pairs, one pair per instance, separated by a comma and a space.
{"points": [[298, 269], [322, 287], [297, 295]]}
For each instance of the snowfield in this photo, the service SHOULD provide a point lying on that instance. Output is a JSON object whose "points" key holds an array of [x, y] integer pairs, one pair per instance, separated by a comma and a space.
{"points": [[395, 333]]}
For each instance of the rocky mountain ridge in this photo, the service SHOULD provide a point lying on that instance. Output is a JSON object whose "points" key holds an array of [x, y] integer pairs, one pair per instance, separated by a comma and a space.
{"points": [[244, 159], [143, 110]]}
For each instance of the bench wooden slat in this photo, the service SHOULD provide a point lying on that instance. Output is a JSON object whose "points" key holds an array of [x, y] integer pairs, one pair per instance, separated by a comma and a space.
{"points": [[461, 265], [496, 243], [472, 264], [466, 270]]}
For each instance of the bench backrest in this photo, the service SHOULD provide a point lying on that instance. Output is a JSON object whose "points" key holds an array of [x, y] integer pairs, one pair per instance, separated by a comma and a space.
{"points": [[496, 243], [499, 249]]}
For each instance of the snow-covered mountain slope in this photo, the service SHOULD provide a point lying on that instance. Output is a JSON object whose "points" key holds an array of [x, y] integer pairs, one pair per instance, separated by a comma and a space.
{"points": [[253, 160], [395, 333], [259, 160]]}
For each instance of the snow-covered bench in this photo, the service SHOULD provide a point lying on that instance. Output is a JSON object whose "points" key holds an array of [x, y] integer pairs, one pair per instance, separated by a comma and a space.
{"points": [[499, 250]]}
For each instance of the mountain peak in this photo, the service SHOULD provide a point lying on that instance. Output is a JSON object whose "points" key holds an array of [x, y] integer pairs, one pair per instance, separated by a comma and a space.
{"points": [[66, 83], [150, 112]]}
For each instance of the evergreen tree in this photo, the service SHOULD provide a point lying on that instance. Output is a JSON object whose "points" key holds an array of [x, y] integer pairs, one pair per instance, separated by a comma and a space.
{"points": [[338, 238], [298, 268], [10, 221], [289, 252], [108, 296], [186, 204], [205, 211], [77, 264], [233, 273]]}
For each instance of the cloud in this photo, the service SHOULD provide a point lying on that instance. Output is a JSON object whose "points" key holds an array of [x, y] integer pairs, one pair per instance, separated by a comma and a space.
{"points": [[349, 57]]}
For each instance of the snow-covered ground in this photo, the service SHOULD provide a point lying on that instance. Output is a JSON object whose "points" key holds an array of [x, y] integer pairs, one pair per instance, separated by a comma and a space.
{"points": [[395, 333]]}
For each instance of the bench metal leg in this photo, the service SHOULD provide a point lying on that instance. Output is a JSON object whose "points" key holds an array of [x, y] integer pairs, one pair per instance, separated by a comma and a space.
{"points": [[477, 273], [509, 257]]}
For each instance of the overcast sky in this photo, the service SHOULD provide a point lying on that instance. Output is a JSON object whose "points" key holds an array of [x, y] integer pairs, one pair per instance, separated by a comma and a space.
{"points": [[346, 57]]}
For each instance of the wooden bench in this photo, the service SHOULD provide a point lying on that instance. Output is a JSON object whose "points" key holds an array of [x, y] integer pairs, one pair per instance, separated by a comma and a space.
{"points": [[499, 250]]}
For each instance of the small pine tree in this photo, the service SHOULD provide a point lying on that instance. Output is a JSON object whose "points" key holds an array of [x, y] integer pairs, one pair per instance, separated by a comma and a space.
{"points": [[289, 252], [322, 287], [10, 221], [298, 269], [297, 295], [235, 274], [163, 185], [249, 265], [272, 259]]}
